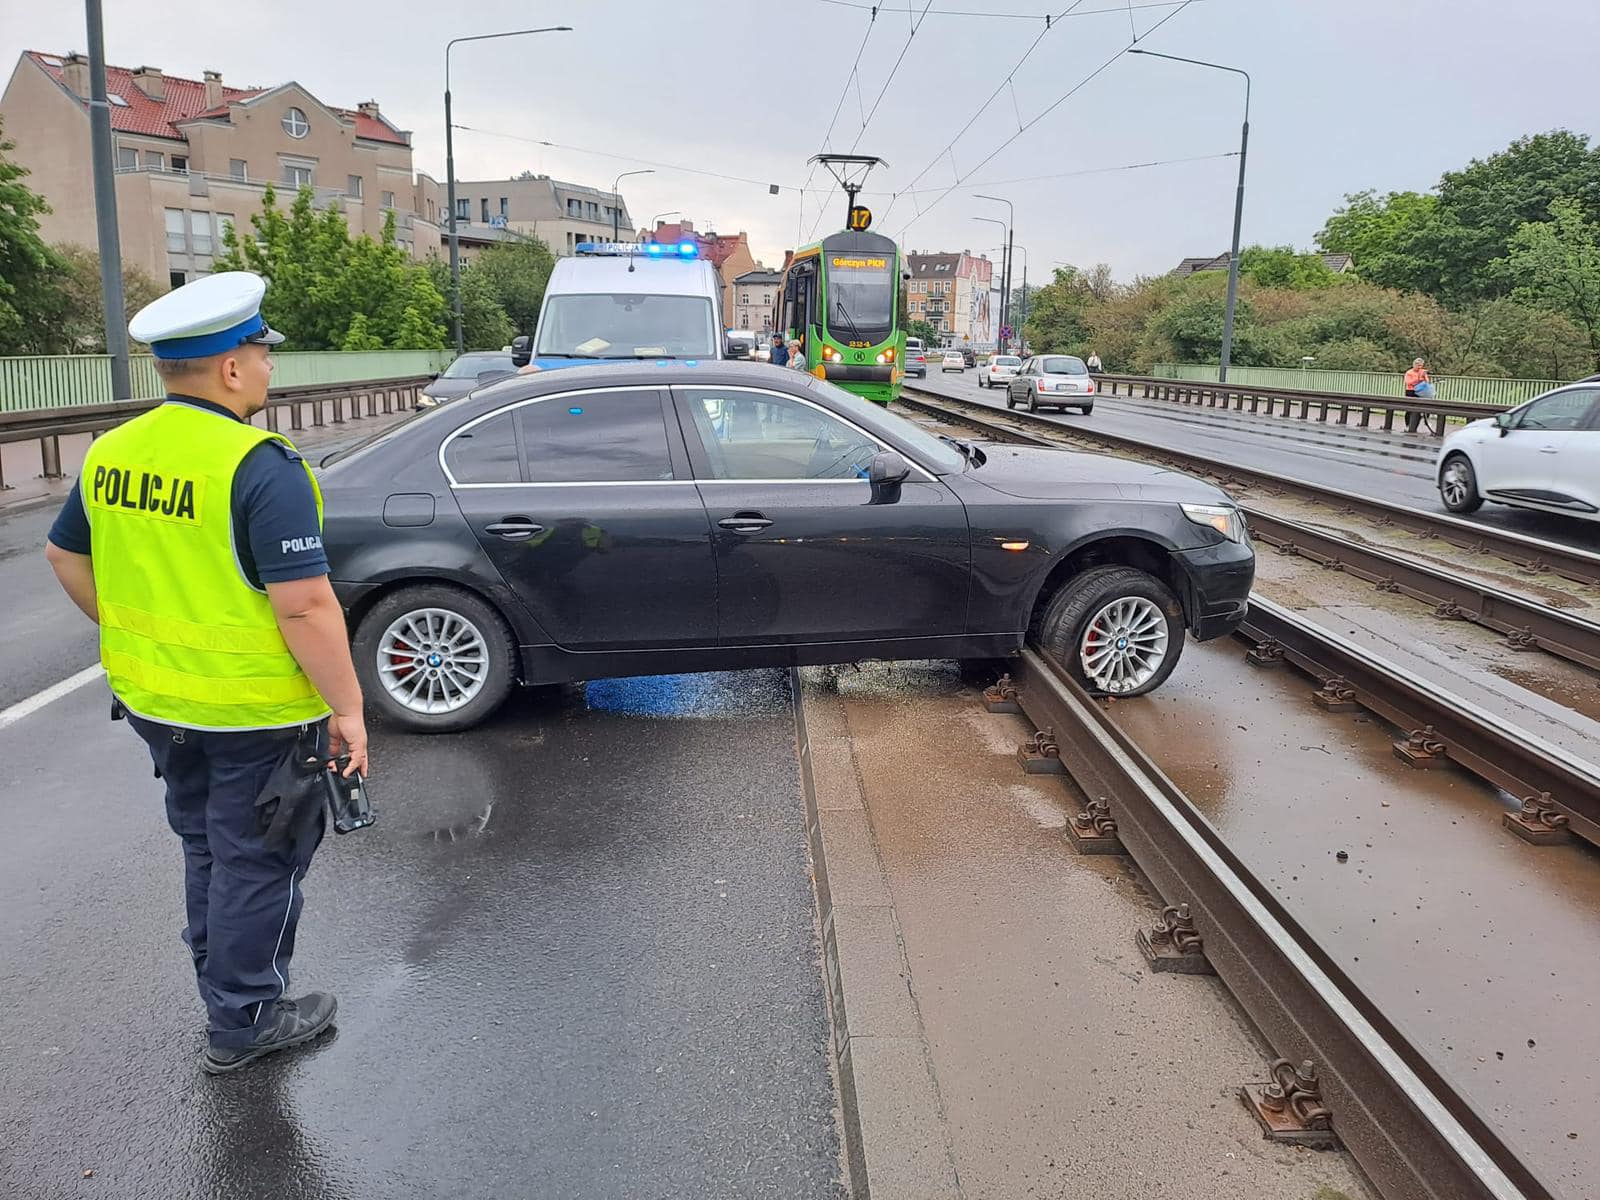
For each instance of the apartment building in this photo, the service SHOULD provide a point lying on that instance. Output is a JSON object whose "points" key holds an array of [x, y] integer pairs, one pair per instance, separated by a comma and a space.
{"points": [[952, 293], [560, 214], [195, 155], [729, 253], [755, 301]]}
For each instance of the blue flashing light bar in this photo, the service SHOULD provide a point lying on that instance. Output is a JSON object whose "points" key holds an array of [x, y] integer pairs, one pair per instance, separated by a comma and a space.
{"points": [[628, 249]]}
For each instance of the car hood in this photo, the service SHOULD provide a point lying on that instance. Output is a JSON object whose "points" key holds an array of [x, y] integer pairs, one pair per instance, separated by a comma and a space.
{"points": [[449, 389], [1035, 473]]}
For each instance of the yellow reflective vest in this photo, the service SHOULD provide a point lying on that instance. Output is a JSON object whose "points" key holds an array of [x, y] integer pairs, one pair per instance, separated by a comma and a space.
{"points": [[185, 638]]}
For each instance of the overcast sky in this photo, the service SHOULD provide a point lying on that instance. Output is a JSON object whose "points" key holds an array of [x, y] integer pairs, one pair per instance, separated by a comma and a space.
{"points": [[1348, 94]]}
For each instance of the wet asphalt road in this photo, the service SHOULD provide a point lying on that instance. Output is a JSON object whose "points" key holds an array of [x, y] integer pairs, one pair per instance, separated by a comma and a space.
{"points": [[576, 957], [1396, 467]]}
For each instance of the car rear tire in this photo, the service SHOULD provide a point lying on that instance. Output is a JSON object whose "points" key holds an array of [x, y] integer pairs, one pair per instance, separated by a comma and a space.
{"points": [[433, 658], [1087, 409], [1117, 630], [1458, 485], [1032, 405]]}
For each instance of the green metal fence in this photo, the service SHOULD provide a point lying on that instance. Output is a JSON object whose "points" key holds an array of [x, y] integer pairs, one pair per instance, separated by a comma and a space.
{"points": [[1466, 389], [56, 381]]}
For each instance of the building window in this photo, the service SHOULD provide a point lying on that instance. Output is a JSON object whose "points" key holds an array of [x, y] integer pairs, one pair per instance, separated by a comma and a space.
{"points": [[177, 232], [352, 186], [127, 158], [154, 161], [463, 209], [505, 206], [483, 209], [295, 123], [180, 162], [224, 223], [297, 175], [200, 231], [118, 101], [388, 199], [238, 168], [176, 279], [574, 208]]}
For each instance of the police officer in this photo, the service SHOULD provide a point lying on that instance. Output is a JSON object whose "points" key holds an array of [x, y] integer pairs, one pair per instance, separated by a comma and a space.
{"points": [[194, 540]]}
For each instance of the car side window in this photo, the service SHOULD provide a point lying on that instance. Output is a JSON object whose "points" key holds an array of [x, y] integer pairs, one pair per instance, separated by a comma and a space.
{"points": [[485, 452], [1562, 411], [758, 435], [596, 437]]}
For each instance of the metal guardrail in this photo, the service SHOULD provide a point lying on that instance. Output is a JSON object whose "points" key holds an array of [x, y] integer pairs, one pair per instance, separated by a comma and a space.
{"points": [[1468, 389], [322, 404], [1414, 1135], [1526, 553], [1282, 402]]}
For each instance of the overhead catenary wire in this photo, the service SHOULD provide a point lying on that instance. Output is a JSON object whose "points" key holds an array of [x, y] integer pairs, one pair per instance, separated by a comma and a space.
{"points": [[827, 137], [1005, 16], [1050, 108], [1049, 23]]}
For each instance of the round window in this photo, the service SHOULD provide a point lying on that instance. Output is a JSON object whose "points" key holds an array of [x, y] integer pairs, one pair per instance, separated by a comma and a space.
{"points": [[295, 123]]}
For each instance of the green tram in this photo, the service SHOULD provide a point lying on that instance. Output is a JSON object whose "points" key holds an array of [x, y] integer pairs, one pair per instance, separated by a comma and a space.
{"points": [[841, 298]]}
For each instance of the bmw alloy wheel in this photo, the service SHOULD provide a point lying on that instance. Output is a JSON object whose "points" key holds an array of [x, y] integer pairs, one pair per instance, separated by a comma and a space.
{"points": [[432, 660], [1124, 644]]}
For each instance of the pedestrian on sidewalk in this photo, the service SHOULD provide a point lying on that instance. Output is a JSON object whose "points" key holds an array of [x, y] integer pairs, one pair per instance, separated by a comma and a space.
{"points": [[193, 539], [797, 354], [1420, 387], [1093, 363], [780, 352]]}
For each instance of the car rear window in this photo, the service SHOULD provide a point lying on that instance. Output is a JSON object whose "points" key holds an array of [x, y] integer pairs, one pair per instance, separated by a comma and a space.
{"points": [[1007, 360], [1064, 364]]}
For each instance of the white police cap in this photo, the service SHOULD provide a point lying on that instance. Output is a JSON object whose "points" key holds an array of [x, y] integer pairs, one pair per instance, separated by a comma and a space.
{"points": [[212, 315]]}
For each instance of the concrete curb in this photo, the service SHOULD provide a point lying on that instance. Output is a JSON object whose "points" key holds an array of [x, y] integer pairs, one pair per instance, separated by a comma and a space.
{"points": [[896, 1142]]}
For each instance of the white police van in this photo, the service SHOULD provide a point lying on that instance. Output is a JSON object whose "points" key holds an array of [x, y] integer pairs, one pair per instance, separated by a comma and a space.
{"points": [[624, 301]]}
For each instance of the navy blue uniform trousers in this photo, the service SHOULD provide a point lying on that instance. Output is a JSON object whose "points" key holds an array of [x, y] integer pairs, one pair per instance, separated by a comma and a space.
{"points": [[243, 899]]}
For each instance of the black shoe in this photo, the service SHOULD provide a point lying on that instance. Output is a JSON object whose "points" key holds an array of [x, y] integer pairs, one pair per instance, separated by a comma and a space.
{"points": [[294, 1022]]}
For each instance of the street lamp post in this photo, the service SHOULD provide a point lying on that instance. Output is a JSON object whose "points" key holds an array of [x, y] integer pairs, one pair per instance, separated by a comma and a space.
{"points": [[655, 221], [1011, 227], [1238, 205], [450, 169], [105, 208], [1005, 281], [616, 198]]}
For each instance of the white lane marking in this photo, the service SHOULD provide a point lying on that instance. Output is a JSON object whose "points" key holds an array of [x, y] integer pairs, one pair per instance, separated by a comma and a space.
{"points": [[26, 708]]}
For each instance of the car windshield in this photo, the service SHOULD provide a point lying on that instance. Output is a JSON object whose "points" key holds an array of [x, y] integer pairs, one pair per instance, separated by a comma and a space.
{"points": [[1007, 360], [607, 325], [1064, 365], [468, 366], [929, 450]]}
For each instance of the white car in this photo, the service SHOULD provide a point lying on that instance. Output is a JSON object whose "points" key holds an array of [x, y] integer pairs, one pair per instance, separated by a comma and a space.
{"points": [[1544, 455], [916, 358], [952, 361], [999, 371]]}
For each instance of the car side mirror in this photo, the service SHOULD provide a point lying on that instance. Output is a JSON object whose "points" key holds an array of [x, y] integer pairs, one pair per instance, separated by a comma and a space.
{"points": [[1504, 421], [888, 471], [521, 350]]}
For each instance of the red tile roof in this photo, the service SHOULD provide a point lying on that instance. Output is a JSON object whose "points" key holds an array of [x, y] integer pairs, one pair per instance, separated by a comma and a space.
{"points": [[186, 100]]}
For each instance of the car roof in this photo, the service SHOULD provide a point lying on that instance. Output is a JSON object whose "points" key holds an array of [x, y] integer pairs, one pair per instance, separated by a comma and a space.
{"points": [[651, 373], [649, 276]]}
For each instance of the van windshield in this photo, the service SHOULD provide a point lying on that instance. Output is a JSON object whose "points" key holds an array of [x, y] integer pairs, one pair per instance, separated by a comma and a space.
{"points": [[610, 325]]}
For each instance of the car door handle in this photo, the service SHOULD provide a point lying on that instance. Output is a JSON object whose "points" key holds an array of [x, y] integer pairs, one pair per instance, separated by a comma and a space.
{"points": [[1549, 450], [746, 522], [514, 529]]}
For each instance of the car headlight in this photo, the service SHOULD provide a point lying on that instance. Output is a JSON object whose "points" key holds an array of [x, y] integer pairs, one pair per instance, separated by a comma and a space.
{"points": [[1224, 518], [426, 401]]}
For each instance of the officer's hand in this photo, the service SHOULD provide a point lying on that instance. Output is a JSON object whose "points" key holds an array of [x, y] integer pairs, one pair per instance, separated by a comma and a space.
{"points": [[347, 734]]}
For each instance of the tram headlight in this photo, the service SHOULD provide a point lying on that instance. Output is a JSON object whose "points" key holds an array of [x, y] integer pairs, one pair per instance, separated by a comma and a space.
{"points": [[829, 354]]}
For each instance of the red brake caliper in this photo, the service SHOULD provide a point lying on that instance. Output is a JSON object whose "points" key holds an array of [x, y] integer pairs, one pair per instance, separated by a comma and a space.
{"points": [[404, 664]]}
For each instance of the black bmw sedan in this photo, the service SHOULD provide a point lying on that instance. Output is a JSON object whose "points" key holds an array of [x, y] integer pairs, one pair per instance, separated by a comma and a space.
{"points": [[688, 516]]}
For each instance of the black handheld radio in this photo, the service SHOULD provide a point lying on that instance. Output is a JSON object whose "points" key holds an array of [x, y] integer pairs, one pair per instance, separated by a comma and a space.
{"points": [[347, 797]]}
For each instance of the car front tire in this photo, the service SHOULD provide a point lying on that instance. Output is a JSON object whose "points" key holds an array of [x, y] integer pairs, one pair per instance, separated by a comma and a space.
{"points": [[1458, 485], [1117, 630], [434, 658]]}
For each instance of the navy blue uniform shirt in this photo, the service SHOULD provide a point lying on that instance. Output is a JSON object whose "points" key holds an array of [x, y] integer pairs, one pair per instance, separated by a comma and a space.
{"points": [[275, 523]]}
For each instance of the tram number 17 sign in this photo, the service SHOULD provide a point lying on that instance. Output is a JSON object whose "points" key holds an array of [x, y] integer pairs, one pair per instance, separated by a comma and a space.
{"points": [[860, 217]]}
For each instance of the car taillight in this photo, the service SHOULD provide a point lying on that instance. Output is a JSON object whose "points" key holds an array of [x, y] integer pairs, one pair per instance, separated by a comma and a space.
{"points": [[1090, 389]]}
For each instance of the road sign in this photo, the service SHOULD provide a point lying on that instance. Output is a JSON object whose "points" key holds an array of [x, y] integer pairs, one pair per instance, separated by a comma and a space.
{"points": [[860, 217]]}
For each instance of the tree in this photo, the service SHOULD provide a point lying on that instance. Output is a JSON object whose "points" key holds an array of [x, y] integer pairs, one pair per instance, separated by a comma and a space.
{"points": [[926, 330], [515, 275], [80, 326], [323, 281], [1483, 206], [28, 267], [1381, 236], [1556, 264], [484, 324], [1057, 312], [1284, 267]]}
